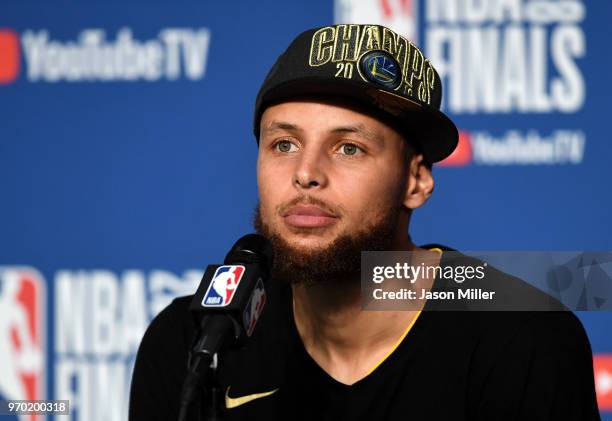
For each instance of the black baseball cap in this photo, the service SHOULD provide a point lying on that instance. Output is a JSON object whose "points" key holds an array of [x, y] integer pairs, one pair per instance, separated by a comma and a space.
{"points": [[372, 66]]}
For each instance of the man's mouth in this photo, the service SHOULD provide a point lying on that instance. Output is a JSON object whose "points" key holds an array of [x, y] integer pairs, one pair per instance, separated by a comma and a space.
{"points": [[308, 216]]}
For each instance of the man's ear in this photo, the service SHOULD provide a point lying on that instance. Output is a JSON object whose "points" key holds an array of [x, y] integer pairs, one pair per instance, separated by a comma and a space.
{"points": [[419, 183]]}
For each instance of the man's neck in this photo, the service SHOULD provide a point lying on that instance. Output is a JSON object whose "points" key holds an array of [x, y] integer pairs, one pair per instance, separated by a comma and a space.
{"points": [[346, 341]]}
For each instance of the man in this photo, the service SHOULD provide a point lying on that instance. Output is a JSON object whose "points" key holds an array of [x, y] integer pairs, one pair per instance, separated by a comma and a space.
{"points": [[348, 125]]}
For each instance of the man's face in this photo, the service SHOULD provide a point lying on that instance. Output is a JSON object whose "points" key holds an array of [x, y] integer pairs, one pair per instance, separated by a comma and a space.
{"points": [[329, 174]]}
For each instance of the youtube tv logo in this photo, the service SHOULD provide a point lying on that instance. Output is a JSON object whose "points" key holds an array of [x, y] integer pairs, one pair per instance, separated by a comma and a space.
{"points": [[462, 155], [602, 366], [9, 56], [94, 56]]}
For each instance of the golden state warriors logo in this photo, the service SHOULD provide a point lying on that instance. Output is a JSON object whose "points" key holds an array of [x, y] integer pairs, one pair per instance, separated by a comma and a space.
{"points": [[381, 68]]}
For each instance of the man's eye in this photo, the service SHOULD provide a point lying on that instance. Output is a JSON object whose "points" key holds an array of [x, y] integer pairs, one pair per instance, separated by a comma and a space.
{"points": [[285, 146], [350, 149]]}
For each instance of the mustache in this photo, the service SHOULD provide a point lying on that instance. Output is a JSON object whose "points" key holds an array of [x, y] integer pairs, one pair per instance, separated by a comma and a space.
{"points": [[336, 211]]}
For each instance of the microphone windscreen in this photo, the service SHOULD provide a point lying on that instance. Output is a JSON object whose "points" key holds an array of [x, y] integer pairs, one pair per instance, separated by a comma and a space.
{"points": [[251, 248]]}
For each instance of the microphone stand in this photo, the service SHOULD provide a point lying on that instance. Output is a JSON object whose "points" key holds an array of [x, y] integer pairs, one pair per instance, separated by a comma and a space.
{"points": [[220, 328], [213, 406], [202, 359]]}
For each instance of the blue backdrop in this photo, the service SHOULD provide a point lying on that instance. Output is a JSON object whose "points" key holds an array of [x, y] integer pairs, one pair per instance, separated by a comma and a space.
{"points": [[127, 160]]}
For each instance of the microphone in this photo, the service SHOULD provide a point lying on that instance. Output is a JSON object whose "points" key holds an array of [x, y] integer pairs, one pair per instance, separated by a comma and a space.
{"points": [[228, 303]]}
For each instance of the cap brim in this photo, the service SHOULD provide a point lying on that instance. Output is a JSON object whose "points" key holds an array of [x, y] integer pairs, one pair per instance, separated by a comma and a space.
{"points": [[433, 131]]}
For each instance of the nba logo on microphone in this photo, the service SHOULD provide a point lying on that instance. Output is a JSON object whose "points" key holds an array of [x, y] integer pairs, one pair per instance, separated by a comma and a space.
{"points": [[254, 308], [223, 286], [22, 335]]}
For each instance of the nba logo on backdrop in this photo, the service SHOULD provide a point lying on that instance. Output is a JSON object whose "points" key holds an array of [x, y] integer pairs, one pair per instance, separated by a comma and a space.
{"points": [[22, 335], [399, 15], [223, 285]]}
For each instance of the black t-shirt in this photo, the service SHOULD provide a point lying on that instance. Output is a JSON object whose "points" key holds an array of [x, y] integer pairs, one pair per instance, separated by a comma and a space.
{"points": [[452, 365]]}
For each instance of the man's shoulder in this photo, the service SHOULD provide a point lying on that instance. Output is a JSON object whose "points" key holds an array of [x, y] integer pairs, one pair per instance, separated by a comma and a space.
{"points": [[175, 312], [539, 328], [498, 328], [172, 325], [161, 363], [180, 305], [484, 287], [522, 312]]}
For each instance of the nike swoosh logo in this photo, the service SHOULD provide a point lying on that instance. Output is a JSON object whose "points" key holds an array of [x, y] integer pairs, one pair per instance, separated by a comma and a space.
{"points": [[241, 400]]}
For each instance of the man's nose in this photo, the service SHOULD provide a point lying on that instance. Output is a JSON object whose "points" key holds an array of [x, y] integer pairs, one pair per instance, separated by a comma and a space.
{"points": [[310, 171]]}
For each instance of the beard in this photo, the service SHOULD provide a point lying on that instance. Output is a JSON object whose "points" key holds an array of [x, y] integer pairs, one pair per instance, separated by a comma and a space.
{"points": [[339, 261]]}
